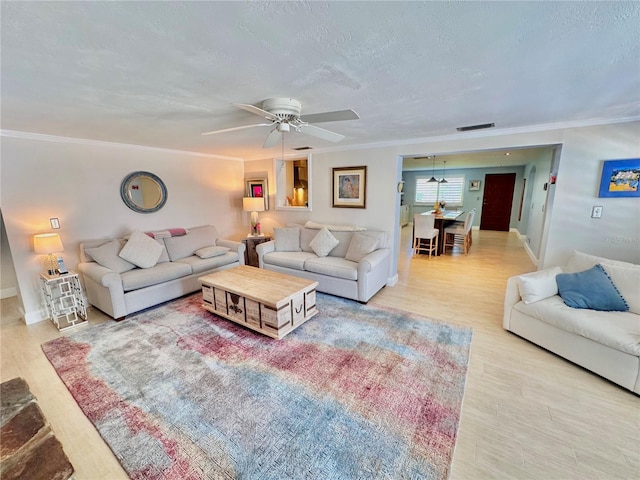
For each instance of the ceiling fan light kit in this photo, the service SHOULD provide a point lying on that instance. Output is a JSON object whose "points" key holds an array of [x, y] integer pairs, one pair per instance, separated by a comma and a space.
{"points": [[284, 114]]}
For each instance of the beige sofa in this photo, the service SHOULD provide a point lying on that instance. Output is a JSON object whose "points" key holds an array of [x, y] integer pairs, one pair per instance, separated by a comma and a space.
{"points": [[355, 267], [119, 287], [605, 342]]}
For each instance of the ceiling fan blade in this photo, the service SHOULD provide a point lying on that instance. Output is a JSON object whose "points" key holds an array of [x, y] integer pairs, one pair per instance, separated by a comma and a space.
{"points": [[321, 133], [256, 110], [272, 138], [336, 116], [237, 128]]}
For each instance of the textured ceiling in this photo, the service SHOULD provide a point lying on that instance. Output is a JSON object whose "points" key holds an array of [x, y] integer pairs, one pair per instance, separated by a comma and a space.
{"points": [[160, 73]]}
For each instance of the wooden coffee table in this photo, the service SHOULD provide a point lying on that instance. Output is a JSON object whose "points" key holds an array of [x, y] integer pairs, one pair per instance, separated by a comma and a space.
{"points": [[268, 302]]}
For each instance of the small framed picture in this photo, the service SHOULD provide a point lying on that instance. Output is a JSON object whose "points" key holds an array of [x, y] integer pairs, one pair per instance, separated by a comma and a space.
{"points": [[620, 178], [474, 184], [350, 187]]}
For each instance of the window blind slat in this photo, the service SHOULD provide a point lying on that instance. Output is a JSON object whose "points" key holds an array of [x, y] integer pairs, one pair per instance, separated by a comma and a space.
{"points": [[451, 192]]}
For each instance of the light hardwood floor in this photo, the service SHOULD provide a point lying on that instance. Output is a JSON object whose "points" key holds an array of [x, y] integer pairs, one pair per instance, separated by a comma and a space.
{"points": [[527, 413]]}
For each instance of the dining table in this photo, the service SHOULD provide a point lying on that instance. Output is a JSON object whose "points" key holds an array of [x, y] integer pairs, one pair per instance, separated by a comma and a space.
{"points": [[442, 221]]}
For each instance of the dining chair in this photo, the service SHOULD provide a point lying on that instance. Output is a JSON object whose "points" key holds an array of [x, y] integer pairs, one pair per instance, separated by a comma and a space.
{"points": [[424, 231], [459, 235]]}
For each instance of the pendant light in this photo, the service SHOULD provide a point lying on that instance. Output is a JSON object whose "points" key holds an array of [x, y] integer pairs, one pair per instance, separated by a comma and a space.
{"points": [[444, 180], [433, 171]]}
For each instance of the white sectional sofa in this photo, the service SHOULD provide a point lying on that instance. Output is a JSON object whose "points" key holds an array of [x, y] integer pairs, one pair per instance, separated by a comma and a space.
{"points": [[354, 264], [605, 342], [116, 284]]}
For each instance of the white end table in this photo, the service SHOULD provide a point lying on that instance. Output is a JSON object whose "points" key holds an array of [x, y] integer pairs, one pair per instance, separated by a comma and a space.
{"points": [[65, 300]]}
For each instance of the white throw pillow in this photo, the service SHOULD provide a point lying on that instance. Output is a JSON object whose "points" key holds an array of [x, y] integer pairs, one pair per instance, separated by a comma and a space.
{"points": [[107, 256], [208, 252], [287, 239], [539, 285], [360, 246], [141, 250], [627, 281], [323, 242]]}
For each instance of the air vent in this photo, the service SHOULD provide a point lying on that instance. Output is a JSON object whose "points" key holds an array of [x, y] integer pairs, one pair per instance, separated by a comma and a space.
{"points": [[476, 127], [302, 148]]}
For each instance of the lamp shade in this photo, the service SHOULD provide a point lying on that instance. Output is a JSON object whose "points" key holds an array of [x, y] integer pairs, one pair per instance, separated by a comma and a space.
{"points": [[253, 204], [47, 243]]}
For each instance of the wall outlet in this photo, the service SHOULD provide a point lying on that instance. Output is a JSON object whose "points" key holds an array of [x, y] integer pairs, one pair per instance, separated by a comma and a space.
{"points": [[596, 212]]}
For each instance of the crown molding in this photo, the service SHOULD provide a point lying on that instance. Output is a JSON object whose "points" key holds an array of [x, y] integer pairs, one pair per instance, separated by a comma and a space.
{"points": [[482, 134], [99, 143]]}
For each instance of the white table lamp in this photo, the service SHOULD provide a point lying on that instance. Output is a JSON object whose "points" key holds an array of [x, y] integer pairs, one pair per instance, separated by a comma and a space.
{"points": [[48, 244], [253, 205]]}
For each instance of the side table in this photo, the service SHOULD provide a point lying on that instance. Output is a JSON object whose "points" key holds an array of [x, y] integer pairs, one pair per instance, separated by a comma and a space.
{"points": [[65, 299], [251, 242]]}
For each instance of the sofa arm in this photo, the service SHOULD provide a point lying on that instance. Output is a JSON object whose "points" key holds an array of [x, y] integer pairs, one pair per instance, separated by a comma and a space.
{"points": [[104, 288], [370, 261], [264, 248], [234, 246], [99, 274], [511, 298]]}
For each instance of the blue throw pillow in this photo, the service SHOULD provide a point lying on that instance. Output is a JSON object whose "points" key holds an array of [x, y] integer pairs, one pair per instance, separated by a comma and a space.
{"points": [[592, 289]]}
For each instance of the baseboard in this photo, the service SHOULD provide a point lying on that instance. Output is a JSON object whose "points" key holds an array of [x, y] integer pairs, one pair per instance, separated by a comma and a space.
{"points": [[530, 253], [392, 281], [33, 316], [8, 292]]}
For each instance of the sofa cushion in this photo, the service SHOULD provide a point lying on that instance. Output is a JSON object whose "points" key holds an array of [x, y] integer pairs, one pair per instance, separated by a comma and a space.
{"points": [[208, 252], [591, 289], [618, 330], [360, 246], [199, 265], [323, 242], [294, 260], [333, 267], [145, 277], [141, 250], [539, 285], [186, 245], [625, 275], [107, 256], [287, 239]]}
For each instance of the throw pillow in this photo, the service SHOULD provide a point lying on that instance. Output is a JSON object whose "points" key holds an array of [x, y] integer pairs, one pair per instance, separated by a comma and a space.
{"points": [[360, 246], [287, 239], [323, 242], [141, 250], [591, 289], [107, 256], [208, 252], [539, 285]]}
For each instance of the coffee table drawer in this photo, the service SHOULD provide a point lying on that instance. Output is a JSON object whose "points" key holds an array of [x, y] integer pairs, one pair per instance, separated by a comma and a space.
{"points": [[268, 302]]}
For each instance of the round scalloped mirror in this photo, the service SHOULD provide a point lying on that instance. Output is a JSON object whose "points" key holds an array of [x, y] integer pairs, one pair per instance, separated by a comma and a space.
{"points": [[143, 192]]}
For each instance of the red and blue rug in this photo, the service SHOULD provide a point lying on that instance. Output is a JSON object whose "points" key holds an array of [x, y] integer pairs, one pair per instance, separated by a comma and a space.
{"points": [[357, 392]]}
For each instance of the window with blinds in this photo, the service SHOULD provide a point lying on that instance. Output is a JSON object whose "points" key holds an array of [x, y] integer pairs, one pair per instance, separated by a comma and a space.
{"points": [[450, 192]]}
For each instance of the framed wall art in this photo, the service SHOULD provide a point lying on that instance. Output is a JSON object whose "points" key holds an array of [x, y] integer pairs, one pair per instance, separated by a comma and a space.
{"points": [[474, 184], [350, 187], [620, 178]]}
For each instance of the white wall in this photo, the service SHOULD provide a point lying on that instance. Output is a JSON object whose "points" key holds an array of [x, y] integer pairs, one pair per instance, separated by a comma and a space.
{"points": [[615, 235], [568, 224], [79, 183], [8, 280]]}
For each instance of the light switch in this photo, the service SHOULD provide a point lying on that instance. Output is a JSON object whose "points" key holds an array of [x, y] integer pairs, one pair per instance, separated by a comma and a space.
{"points": [[596, 212]]}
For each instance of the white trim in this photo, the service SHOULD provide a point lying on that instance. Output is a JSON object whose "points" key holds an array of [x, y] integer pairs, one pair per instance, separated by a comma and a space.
{"points": [[34, 316], [492, 132], [8, 292], [530, 253], [392, 280], [99, 143]]}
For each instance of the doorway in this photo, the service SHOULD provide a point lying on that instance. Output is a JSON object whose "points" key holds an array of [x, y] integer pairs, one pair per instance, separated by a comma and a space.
{"points": [[497, 201]]}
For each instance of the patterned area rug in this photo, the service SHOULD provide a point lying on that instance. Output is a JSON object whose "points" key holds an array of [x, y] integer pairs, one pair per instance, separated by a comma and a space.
{"points": [[357, 392]]}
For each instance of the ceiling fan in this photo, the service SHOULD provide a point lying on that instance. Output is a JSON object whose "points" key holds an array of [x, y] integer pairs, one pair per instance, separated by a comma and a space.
{"points": [[284, 116]]}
